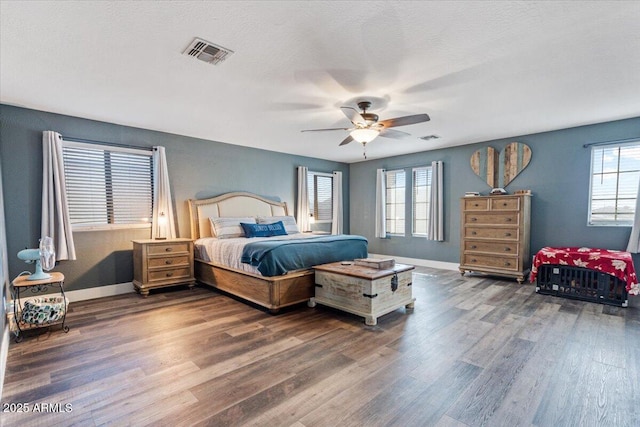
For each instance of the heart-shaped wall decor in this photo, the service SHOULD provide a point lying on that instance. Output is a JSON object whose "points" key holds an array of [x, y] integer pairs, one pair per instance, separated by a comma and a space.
{"points": [[499, 168]]}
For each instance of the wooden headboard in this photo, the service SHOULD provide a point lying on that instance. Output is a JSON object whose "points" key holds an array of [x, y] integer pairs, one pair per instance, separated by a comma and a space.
{"points": [[236, 204]]}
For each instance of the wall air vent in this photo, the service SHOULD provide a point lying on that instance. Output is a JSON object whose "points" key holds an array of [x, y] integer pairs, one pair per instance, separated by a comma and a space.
{"points": [[207, 52], [428, 137]]}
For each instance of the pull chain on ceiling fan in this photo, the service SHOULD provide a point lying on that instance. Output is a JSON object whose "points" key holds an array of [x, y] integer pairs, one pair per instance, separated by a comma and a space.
{"points": [[367, 127]]}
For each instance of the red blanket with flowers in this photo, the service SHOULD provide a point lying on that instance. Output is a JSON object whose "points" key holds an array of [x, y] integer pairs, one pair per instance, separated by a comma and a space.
{"points": [[616, 263]]}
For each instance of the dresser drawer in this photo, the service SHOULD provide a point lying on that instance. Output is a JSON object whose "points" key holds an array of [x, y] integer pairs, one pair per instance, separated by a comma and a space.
{"points": [[505, 263], [169, 261], [504, 204], [491, 218], [170, 274], [498, 248], [506, 233], [476, 204], [168, 248]]}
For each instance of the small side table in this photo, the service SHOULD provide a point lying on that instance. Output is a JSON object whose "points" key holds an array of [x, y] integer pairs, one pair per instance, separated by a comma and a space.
{"points": [[23, 282]]}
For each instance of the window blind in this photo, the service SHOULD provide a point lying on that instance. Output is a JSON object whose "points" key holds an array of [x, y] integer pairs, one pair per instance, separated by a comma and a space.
{"points": [[108, 185], [320, 196], [395, 202], [615, 172], [421, 199]]}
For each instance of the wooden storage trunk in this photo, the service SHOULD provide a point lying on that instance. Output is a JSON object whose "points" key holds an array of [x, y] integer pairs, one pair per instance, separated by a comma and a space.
{"points": [[582, 284], [379, 263], [364, 291]]}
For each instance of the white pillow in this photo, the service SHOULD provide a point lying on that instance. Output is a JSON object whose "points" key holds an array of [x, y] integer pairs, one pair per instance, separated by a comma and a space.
{"points": [[289, 222], [225, 228]]}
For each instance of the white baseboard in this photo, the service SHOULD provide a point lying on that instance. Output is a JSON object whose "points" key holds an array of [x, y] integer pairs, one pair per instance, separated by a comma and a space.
{"points": [[99, 292], [421, 262]]}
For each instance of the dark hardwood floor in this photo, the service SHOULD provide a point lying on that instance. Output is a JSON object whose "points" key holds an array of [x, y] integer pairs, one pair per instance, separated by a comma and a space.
{"points": [[476, 351]]}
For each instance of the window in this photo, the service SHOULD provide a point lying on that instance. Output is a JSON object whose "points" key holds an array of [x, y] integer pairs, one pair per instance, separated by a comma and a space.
{"points": [[395, 196], [421, 199], [615, 170], [320, 196], [108, 187]]}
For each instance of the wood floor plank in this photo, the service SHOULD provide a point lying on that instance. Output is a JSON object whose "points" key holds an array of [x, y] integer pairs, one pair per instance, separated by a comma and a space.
{"points": [[477, 350]]}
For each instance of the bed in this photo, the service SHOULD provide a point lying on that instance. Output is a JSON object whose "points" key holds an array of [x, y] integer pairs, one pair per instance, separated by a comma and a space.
{"points": [[274, 282]]}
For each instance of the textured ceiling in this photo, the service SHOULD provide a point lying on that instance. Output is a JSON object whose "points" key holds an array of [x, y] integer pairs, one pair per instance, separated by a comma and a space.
{"points": [[481, 70]]}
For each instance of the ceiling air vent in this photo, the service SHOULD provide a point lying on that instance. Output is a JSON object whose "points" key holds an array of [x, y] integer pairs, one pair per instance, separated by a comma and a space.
{"points": [[428, 137], [207, 52]]}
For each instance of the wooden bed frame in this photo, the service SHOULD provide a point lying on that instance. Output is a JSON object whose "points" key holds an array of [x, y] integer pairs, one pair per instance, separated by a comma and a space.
{"points": [[272, 293]]}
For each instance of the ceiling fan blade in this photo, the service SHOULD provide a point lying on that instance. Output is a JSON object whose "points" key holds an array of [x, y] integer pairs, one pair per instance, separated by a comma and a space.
{"points": [[406, 120], [321, 130], [392, 133], [353, 115], [347, 140]]}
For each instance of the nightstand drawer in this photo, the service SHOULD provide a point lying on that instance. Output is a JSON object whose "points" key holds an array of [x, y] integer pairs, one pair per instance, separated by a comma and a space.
{"points": [[168, 248], [166, 261], [170, 274]]}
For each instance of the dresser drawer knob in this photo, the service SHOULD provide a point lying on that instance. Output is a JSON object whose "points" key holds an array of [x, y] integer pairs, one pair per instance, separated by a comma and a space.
{"points": [[508, 219], [507, 263], [474, 219], [507, 234], [169, 274], [507, 249], [476, 205], [169, 249], [474, 260], [474, 247], [504, 204], [168, 262], [473, 233]]}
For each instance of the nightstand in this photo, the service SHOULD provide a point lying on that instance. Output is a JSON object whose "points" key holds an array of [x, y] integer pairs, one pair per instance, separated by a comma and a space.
{"points": [[162, 263], [42, 312]]}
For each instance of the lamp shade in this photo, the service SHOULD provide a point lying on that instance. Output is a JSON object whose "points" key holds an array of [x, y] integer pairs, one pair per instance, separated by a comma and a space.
{"points": [[364, 136]]}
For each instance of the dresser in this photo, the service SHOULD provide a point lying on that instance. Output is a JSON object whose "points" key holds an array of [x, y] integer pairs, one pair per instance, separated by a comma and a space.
{"points": [[495, 235], [161, 263]]}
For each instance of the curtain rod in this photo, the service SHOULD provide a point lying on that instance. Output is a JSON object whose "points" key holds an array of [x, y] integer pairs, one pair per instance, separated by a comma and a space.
{"points": [[110, 144], [617, 141]]}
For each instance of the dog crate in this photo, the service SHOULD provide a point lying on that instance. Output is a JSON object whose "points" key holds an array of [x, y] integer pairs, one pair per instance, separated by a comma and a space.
{"points": [[582, 284]]}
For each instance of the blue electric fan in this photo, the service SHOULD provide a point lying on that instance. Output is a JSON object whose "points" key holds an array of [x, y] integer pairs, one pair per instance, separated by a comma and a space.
{"points": [[43, 257]]}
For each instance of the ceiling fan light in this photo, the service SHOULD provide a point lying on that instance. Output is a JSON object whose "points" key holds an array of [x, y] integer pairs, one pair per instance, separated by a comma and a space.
{"points": [[364, 136]]}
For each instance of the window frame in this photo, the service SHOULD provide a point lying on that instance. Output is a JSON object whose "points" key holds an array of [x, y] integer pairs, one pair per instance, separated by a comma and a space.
{"points": [[77, 227], [313, 204], [616, 196], [427, 220], [404, 202]]}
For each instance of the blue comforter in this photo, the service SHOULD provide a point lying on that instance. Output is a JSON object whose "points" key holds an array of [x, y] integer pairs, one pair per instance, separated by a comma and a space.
{"points": [[276, 257]]}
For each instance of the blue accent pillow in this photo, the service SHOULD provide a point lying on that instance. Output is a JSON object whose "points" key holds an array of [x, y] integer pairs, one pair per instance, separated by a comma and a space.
{"points": [[264, 230]]}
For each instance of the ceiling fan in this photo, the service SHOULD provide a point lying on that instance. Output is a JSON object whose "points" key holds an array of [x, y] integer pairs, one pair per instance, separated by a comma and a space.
{"points": [[367, 127]]}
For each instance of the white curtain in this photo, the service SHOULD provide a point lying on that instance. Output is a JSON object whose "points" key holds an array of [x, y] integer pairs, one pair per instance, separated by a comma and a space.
{"points": [[436, 223], [336, 225], [302, 205], [55, 221], [163, 225], [634, 240], [381, 201]]}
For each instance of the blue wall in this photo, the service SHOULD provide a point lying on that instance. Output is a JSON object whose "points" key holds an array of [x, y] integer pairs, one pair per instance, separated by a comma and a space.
{"points": [[558, 176], [197, 168]]}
